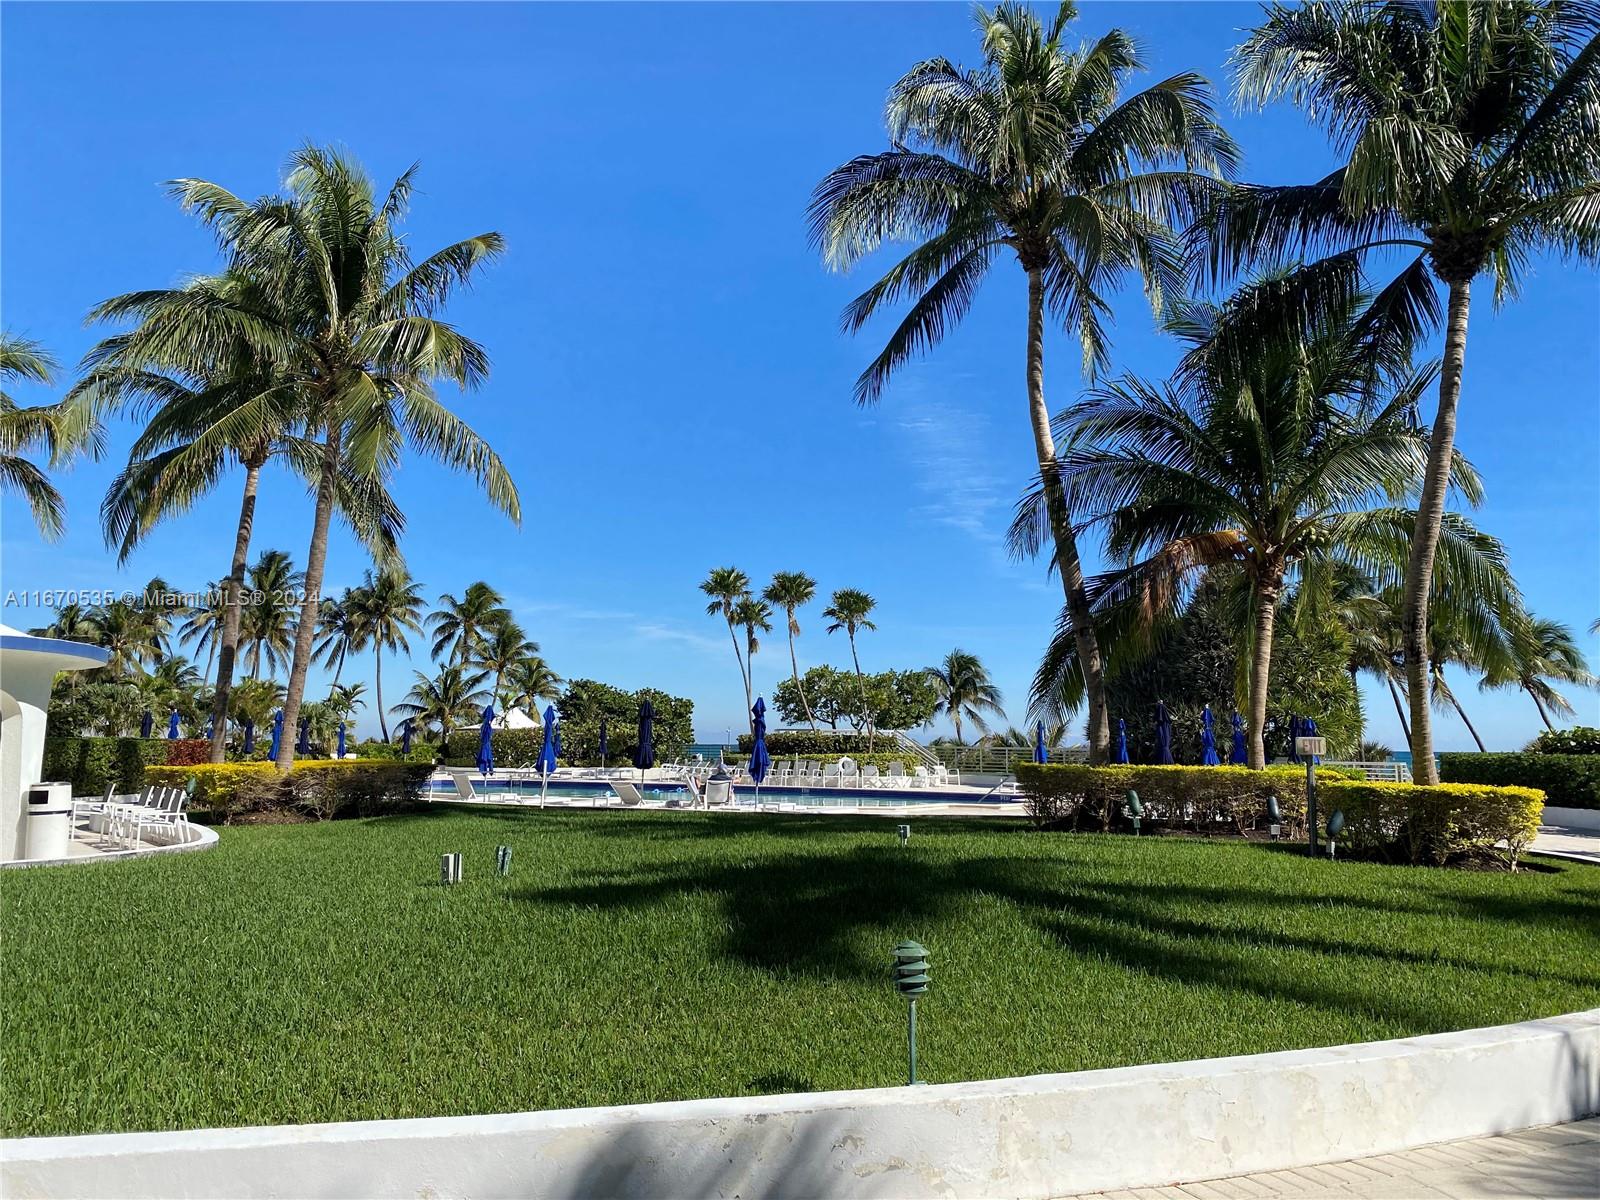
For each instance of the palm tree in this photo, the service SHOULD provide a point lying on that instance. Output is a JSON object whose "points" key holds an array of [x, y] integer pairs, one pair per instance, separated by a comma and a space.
{"points": [[851, 611], [754, 616], [338, 631], [727, 587], [460, 626], [267, 620], [348, 321], [54, 428], [128, 631], [388, 605], [1282, 464], [1542, 652], [788, 591], [254, 700], [73, 623], [205, 624], [501, 649], [1037, 153], [1469, 130], [531, 680], [965, 691], [453, 697]]}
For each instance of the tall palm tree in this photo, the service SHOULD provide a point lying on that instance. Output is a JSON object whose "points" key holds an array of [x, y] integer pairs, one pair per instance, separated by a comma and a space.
{"points": [[531, 680], [348, 321], [268, 619], [460, 626], [965, 690], [338, 631], [727, 587], [1541, 654], [1038, 154], [54, 428], [851, 610], [388, 605], [789, 590], [204, 626], [130, 633], [1469, 130], [454, 696], [1283, 463], [754, 616], [503, 646]]}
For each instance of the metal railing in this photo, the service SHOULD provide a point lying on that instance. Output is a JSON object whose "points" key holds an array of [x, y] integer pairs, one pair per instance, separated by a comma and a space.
{"points": [[999, 760], [1376, 772]]}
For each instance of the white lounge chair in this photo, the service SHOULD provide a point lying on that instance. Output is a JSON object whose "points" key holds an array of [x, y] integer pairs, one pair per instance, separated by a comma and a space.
{"points": [[462, 778], [870, 776], [896, 775], [920, 776], [627, 793], [830, 775]]}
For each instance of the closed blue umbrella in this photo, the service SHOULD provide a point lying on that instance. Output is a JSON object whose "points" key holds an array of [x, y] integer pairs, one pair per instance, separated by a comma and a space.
{"points": [[146, 724], [760, 760], [1208, 740], [605, 747], [1163, 733], [1121, 755], [405, 737], [1040, 754], [249, 735], [486, 742], [1308, 728], [172, 725], [1240, 754], [547, 752], [302, 744], [645, 756], [211, 728], [277, 734], [1294, 732], [341, 739]]}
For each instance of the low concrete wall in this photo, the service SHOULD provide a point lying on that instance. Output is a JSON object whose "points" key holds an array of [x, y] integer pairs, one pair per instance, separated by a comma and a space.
{"points": [[1046, 1135], [1586, 819]]}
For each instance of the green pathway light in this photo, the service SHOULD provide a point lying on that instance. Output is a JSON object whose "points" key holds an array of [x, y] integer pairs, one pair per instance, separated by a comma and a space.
{"points": [[502, 860], [449, 868], [911, 978], [905, 834], [1135, 810], [1335, 828], [1274, 817]]}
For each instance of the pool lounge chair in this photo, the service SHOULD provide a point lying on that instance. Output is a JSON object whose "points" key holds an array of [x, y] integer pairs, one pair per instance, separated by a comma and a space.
{"points": [[627, 793], [870, 776], [896, 774], [462, 778]]}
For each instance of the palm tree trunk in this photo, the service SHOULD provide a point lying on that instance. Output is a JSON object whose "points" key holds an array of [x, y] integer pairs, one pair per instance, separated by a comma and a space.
{"points": [[749, 687], [794, 668], [211, 660], [232, 611], [1462, 713], [1361, 712], [377, 689], [861, 680], [1425, 541], [955, 719], [1539, 704], [1261, 668], [1066, 543], [744, 675], [1400, 711], [306, 629]]}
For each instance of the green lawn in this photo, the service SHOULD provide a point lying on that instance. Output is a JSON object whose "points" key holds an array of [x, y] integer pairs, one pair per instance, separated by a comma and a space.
{"points": [[318, 973]]}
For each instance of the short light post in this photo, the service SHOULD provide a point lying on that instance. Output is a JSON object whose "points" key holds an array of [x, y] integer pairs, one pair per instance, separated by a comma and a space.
{"points": [[1135, 810], [502, 861], [911, 978], [1274, 818], [449, 868], [905, 834], [1335, 828]]}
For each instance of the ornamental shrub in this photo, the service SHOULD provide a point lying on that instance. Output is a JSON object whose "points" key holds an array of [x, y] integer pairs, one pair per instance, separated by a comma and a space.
{"points": [[1199, 798], [188, 752], [1567, 780], [91, 764], [318, 789], [1581, 739], [1404, 822], [819, 743]]}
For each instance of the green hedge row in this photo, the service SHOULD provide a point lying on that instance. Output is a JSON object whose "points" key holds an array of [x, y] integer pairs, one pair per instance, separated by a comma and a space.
{"points": [[820, 743], [316, 789], [1580, 739], [91, 764], [1567, 780], [1400, 822]]}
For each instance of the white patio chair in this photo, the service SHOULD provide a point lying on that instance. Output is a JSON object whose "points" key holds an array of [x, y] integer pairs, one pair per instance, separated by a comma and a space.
{"points": [[920, 777], [896, 774], [627, 793], [830, 775], [870, 776]]}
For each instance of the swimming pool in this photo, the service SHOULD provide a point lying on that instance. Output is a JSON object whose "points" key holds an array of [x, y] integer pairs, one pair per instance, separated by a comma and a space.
{"points": [[657, 792]]}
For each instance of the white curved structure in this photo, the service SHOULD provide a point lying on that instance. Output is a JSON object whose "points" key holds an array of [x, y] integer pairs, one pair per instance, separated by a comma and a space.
{"points": [[28, 669]]}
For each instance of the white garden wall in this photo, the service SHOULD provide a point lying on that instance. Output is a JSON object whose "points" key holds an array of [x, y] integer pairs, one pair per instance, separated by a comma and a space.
{"points": [[1046, 1135]]}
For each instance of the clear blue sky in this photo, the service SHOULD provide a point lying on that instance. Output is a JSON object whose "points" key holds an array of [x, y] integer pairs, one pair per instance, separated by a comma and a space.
{"points": [[670, 388]]}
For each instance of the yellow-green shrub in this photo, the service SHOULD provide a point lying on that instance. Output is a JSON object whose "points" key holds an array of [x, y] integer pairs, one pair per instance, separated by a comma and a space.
{"points": [[1433, 824], [1194, 797], [319, 788]]}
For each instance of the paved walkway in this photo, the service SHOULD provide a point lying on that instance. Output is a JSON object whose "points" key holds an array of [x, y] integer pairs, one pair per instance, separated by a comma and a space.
{"points": [[1580, 844], [1557, 1162]]}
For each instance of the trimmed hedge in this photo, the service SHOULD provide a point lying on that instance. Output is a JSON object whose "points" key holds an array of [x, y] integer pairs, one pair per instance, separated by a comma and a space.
{"points": [[315, 789], [1567, 780], [878, 758], [820, 744], [1404, 822], [91, 764], [1396, 822], [376, 751]]}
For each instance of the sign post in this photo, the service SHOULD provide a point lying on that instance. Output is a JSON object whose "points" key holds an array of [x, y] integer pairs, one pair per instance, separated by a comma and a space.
{"points": [[1311, 749]]}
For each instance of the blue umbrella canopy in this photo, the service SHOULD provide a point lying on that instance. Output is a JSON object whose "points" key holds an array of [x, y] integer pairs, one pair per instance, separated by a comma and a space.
{"points": [[1040, 753], [1294, 732], [605, 747], [1208, 740], [486, 742], [277, 734], [547, 752], [249, 735], [760, 760], [172, 725], [1121, 756], [1163, 733], [645, 756], [1308, 728], [302, 744], [341, 739], [146, 724], [1240, 754], [405, 737], [211, 728]]}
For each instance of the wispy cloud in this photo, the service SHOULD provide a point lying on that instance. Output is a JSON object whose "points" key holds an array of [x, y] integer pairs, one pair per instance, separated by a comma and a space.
{"points": [[657, 632], [941, 437]]}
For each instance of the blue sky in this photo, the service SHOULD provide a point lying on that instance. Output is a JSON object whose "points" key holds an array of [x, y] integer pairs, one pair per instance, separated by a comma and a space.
{"points": [[670, 389]]}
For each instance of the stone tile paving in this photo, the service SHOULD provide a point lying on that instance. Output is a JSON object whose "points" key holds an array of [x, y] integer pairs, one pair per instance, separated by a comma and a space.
{"points": [[1557, 1162]]}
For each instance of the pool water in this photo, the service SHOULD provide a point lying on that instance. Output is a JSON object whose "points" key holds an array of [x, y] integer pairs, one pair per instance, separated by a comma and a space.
{"points": [[598, 790]]}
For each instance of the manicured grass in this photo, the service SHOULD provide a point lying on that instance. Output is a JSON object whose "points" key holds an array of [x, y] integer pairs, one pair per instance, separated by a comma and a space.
{"points": [[318, 973]]}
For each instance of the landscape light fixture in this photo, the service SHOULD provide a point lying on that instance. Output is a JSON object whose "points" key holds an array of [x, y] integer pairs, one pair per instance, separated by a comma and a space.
{"points": [[1135, 810], [905, 834], [1274, 817], [911, 978], [502, 861], [1335, 827], [449, 868]]}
